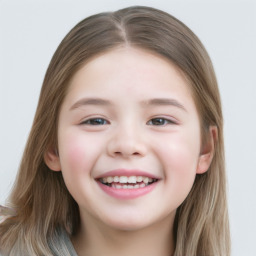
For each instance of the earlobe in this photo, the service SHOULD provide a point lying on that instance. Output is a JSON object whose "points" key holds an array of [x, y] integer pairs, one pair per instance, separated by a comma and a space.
{"points": [[52, 160], [207, 151]]}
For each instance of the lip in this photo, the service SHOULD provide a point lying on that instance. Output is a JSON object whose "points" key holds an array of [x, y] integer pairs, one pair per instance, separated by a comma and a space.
{"points": [[126, 194]]}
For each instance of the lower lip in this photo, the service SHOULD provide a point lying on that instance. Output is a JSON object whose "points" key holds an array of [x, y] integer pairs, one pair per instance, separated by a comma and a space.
{"points": [[127, 193]]}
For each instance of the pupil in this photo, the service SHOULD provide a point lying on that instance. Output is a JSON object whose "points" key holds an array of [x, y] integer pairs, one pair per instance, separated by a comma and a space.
{"points": [[97, 121], [158, 121]]}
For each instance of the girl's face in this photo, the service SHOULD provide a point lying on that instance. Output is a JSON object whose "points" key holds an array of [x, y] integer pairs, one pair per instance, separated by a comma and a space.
{"points": [[129, 140]]}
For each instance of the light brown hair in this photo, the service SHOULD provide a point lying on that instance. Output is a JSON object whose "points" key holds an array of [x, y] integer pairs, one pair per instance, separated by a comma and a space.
{"points": [[40, 197]]}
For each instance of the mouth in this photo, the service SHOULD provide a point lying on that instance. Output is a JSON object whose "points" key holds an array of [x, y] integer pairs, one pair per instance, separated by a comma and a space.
{"points": [[127, 182]]}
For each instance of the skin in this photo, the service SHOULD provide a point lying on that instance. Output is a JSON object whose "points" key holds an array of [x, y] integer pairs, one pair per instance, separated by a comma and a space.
{"points": [[129, 132]]}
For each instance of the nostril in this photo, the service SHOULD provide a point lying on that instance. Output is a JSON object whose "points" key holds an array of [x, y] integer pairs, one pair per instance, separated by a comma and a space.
{"points": [[126, 154], [126, 148]]}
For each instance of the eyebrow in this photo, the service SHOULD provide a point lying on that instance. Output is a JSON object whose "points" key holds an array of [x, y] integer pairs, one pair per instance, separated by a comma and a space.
{"points": [[90, 101], [164, 102], [152, 102]]}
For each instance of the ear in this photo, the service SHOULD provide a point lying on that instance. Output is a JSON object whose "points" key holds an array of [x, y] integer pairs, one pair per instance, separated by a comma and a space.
{"points": [[207, 151], [52, 160]]}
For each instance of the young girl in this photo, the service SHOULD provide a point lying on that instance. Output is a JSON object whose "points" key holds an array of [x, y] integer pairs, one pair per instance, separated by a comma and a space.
{"points": [[125, 156]]}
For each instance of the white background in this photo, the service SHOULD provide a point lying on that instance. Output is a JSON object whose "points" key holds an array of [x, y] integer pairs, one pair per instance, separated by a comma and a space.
{"points": [[31, 30]]}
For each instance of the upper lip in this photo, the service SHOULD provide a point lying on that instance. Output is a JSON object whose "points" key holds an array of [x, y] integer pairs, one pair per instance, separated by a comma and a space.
{"points": [[127, 172]]}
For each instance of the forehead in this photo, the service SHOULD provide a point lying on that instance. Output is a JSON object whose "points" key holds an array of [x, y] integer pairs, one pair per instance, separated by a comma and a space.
{"points": [[127, 78], [130, 69]]}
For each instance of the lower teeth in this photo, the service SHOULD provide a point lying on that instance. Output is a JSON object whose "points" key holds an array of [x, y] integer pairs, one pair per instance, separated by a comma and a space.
{"points": [[128, 186]]}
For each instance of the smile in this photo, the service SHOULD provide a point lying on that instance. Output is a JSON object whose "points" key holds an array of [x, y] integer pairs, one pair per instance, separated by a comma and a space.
{"points": [[125, 182]]}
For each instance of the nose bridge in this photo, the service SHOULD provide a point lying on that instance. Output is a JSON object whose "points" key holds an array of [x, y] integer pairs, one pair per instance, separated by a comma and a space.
{"points": [[127, 140]]}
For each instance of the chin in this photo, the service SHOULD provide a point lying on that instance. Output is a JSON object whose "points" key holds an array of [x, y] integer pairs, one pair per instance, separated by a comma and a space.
{"points": [[129, 223]]}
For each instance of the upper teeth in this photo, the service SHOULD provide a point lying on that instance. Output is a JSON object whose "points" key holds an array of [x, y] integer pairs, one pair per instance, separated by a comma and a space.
{"points": [[126, 179]]}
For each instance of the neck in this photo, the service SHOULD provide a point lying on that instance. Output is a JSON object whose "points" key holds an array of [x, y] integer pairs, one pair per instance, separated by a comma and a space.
{"points": [[156, 239]]}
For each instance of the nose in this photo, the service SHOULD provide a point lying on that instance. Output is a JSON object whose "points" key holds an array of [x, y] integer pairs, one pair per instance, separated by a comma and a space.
{"points": [[127, 142]]}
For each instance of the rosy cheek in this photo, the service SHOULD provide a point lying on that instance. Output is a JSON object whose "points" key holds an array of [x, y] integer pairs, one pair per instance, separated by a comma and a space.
{"points": [[73, 161], [72, 153], [75, 156], [181, 156], [180, 171]]}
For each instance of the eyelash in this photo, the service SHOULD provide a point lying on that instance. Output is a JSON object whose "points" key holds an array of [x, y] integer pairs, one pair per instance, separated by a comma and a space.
{"points": [[101, 121]]}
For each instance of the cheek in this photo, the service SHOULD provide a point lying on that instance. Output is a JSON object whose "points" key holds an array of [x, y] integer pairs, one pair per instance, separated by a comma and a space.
{"points": [[77, 152], [180, 159], [72, 154], [182, 151]]}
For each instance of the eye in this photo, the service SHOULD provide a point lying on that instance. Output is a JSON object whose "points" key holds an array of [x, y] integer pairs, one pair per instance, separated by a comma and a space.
{"points": [[95, 121], [160, 121]]}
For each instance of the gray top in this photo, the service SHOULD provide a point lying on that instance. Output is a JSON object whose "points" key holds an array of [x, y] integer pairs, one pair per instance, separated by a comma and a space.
{"points": [[61, 244]]}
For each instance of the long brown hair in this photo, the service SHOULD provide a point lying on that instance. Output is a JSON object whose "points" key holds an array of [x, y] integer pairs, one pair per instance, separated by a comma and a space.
{"points": [[40, 197]]}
